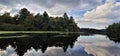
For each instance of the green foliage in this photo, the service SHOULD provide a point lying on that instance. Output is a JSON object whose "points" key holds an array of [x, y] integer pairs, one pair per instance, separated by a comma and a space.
{"points": [[27, 21], [23, 13], [6, 18], [11, 27], [45, 14], [65, 16], [114, 30]]}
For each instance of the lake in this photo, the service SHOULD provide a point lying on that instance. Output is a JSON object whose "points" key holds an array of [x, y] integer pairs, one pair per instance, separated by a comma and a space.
{"points": [[53, 44]]}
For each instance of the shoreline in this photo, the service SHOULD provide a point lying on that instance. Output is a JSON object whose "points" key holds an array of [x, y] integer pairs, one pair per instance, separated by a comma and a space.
{"points": [[59, 32]]}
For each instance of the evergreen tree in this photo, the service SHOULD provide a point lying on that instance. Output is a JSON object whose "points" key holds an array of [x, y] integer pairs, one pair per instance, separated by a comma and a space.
{"points": [[113, 30], [65, 16], [71, 20], [45, 14]]}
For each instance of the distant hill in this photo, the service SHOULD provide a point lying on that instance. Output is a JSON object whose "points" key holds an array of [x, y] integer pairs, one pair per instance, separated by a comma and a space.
{"points": [[93, 31]]}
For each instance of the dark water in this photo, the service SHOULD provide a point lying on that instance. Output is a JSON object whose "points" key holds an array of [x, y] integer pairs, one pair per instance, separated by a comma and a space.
{"points": [[58, 45]]}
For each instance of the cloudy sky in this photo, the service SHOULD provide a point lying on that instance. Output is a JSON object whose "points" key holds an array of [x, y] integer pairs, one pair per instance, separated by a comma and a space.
{"points": [[87, 13]]}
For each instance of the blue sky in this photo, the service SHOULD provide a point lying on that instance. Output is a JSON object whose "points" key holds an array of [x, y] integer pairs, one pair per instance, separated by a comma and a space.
{"points": [[87, 13]]}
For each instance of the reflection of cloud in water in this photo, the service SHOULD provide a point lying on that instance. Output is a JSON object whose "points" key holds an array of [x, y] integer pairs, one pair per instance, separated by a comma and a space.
{"points": [[51, 51], [104, 51], [117, 44], [78, 51], [98, 45], [33, 52], [57, 51], [8, 52]]}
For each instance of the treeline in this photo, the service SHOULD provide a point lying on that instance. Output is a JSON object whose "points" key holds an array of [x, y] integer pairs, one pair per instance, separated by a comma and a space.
{"points": [[92, 31], [113, 30], [25, 20]]}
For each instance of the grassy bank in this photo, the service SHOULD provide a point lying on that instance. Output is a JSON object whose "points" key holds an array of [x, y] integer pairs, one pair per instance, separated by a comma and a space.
{"points": [[58, 32]]}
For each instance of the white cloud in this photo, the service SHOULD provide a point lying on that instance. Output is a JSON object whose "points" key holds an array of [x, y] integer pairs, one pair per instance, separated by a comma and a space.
{"points": [[61, 6], [102, 15], [4, 8], [54, 7], [55, 11]]}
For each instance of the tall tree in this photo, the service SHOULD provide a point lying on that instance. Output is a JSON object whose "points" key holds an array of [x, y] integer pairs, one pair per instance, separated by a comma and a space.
{"points": [[65, 21], [23, 13], [46, 21], [29, 22], [65, 16], [71, 20], [6, 18], [45, 14]]}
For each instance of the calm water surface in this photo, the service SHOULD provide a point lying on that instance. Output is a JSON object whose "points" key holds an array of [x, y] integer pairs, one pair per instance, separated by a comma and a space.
{"points": [[58, 45]]}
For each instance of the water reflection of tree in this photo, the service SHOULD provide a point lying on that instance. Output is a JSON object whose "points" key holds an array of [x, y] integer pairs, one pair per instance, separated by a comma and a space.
{"points": [[115, 39], [39, 41]]}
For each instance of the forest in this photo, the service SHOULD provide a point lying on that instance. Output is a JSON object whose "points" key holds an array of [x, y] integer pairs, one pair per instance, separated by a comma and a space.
{"points": [[26, 21], [114, 30]]}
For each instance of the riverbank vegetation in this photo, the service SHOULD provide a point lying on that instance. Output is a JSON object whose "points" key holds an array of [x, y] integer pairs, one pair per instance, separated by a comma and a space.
{"points": [[26, 21], [113, 31]]}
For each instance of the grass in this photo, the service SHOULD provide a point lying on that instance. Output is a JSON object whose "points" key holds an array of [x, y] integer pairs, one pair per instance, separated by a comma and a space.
{"points": [[12, 32]]}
